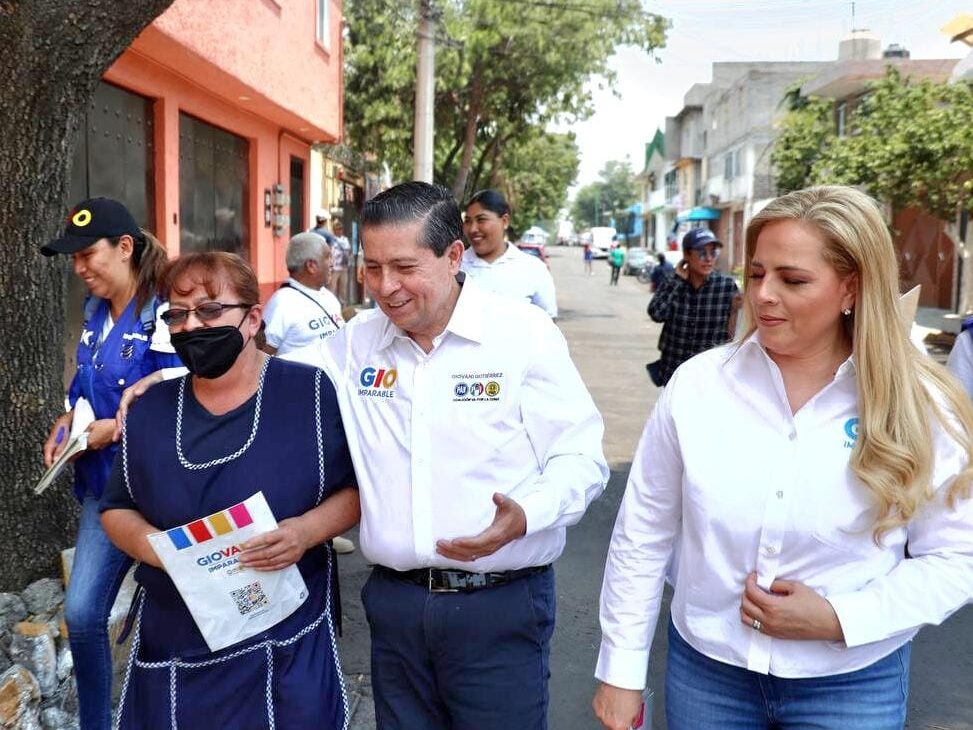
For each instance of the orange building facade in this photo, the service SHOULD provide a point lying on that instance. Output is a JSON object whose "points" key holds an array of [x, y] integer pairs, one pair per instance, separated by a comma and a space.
{"points": [[204, 127]]}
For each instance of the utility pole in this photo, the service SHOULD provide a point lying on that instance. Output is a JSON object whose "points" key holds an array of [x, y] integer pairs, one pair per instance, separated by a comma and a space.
{"points": [[425, 93]]}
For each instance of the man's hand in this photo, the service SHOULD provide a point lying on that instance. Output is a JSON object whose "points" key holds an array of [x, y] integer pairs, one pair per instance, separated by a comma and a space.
{"points": [[682, 269], [277, 549], [131, 394], [616, 708], [57, 439], [790, 610], [509, 523]]}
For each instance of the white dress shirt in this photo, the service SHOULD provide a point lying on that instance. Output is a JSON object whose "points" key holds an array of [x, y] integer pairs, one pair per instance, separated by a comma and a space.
{"points": [[961, 360], [747, 486], [297, 316], [496, 406], [514, 274]]}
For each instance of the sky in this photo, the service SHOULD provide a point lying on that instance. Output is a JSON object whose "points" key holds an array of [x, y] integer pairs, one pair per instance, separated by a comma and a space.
{"points": [[703, 31]]}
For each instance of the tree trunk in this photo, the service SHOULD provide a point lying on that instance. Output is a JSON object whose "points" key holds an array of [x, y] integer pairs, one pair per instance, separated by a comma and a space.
{"points": [[488, 153], [469, 135], [55, 52]]}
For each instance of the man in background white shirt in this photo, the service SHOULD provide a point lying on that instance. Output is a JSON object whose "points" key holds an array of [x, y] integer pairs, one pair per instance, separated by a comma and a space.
{"points": [[475, 445], [303, 311]]}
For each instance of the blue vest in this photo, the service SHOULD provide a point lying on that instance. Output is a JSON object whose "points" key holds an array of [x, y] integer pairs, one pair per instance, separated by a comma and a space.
{"points": [[105, 369]]}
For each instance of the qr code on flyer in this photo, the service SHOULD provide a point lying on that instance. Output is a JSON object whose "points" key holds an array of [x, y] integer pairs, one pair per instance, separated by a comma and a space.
{"points": [[249, 598]]}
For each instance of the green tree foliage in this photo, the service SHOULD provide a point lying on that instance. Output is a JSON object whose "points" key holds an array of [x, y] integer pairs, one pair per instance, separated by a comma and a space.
{"points": [[538, 170], [504, 69], [805, 134], [908, 143], [597, 203]]}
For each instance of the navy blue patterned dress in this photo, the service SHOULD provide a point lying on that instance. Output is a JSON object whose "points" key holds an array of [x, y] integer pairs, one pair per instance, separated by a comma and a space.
{"points": [[179, 463]]}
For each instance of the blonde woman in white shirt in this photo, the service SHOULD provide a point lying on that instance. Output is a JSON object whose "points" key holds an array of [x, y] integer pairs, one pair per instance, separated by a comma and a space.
{"points": [[795, 465]]}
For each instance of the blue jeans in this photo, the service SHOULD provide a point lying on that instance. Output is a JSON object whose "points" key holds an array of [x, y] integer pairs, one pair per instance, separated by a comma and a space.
{"points": [[452, 661], [705, 694], [98, 570]]}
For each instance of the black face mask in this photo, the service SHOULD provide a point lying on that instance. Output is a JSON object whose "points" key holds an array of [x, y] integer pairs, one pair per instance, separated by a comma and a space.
{"points": [[209, 351]]}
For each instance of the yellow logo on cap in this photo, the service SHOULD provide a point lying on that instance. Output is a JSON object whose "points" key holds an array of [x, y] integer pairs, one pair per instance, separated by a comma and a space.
{"points": [[81, 218]]}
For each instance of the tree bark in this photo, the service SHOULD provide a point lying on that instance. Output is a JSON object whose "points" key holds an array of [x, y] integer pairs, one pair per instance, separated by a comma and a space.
{"points": [[55, 52], [469, 134]]}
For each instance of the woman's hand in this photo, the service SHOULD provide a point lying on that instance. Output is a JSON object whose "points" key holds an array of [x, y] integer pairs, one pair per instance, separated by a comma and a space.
{"points": [[131, 394], [616, 708], [101, 433], [790, 610], [57, 439], [277, 549]]}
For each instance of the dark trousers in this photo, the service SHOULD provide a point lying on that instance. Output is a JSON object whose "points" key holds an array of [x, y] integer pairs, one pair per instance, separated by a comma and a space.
{"points": [[615, 272], [458, 661]]}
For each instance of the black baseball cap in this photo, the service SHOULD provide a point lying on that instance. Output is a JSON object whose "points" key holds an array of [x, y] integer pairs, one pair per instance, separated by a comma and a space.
{"points": [[90, 221], [699, 238]]}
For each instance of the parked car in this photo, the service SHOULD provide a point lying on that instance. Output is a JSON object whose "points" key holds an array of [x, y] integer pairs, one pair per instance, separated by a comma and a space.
{"points": [[635, 259], [535, 249]]}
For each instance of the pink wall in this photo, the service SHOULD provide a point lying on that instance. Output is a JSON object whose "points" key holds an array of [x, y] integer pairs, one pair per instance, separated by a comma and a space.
{"points": [[270, 150], [263, 51], [267, 49]]}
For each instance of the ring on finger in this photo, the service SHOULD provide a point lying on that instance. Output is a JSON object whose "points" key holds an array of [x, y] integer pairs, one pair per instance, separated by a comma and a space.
{"points": [[756, 624]]}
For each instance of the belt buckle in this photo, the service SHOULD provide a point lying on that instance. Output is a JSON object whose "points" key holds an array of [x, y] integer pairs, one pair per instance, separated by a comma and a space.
{"points": [[441, 586]]}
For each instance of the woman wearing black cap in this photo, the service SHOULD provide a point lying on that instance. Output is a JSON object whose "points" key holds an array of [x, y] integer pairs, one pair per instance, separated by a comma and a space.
{"points": [[121, 342]]}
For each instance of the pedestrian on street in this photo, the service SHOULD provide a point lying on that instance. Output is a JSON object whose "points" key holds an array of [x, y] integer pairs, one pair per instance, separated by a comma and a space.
{"points": [[589, 256], [498, 265], [321, 219], [697, 305], [476, 444], [815, 479], [242, 423], [303, 310], [617, 256], [660, 272], [122, 340], [340, 261]]}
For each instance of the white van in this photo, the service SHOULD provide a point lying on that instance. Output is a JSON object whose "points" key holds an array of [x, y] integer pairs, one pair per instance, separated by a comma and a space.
{"points": [[601, 241]]}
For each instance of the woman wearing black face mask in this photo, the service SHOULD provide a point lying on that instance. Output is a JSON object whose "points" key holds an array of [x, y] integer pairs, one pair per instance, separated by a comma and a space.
{"points": [[241, 423]]}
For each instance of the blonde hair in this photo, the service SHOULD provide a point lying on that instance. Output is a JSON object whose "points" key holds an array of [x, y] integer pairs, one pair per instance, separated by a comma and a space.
{"points": [[898, 386]]}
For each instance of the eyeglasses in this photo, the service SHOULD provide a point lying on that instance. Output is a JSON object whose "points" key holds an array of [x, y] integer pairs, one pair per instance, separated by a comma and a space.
{"points": [[707, 254], [206, 312]]}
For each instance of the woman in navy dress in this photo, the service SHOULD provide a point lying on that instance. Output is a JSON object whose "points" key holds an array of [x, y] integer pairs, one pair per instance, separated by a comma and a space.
{"points": [[242, 423], [121, 342]]}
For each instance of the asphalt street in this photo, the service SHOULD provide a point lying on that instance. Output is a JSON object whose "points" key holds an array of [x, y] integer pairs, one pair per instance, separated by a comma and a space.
{"points": [[611, 339]]}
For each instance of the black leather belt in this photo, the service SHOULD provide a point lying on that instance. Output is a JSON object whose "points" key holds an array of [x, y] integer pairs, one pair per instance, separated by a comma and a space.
{"points": [[442, 580]]}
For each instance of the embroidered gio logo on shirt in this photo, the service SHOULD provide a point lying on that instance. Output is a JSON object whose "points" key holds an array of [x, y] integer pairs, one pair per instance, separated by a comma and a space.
{"points": [[377, 382]]}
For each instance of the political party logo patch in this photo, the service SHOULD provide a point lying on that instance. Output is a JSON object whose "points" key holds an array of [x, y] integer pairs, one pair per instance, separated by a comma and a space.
{"points": [[477, 386], [377, 382], [851, 433]]}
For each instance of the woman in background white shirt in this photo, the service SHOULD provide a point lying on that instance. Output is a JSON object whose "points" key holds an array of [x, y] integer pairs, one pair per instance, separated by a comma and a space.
{"points": [[498, 265], [795, 465]]}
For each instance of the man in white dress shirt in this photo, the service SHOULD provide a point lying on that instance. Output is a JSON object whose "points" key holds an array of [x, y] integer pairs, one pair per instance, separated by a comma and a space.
{"points": [[475, 445]]}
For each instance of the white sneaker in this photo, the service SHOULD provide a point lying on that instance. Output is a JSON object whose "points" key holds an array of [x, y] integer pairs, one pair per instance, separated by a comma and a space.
{"points": [[343, 546]]}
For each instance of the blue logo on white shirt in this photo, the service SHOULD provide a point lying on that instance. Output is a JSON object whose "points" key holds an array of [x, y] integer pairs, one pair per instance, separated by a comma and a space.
{"points": [[851, 432]]}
